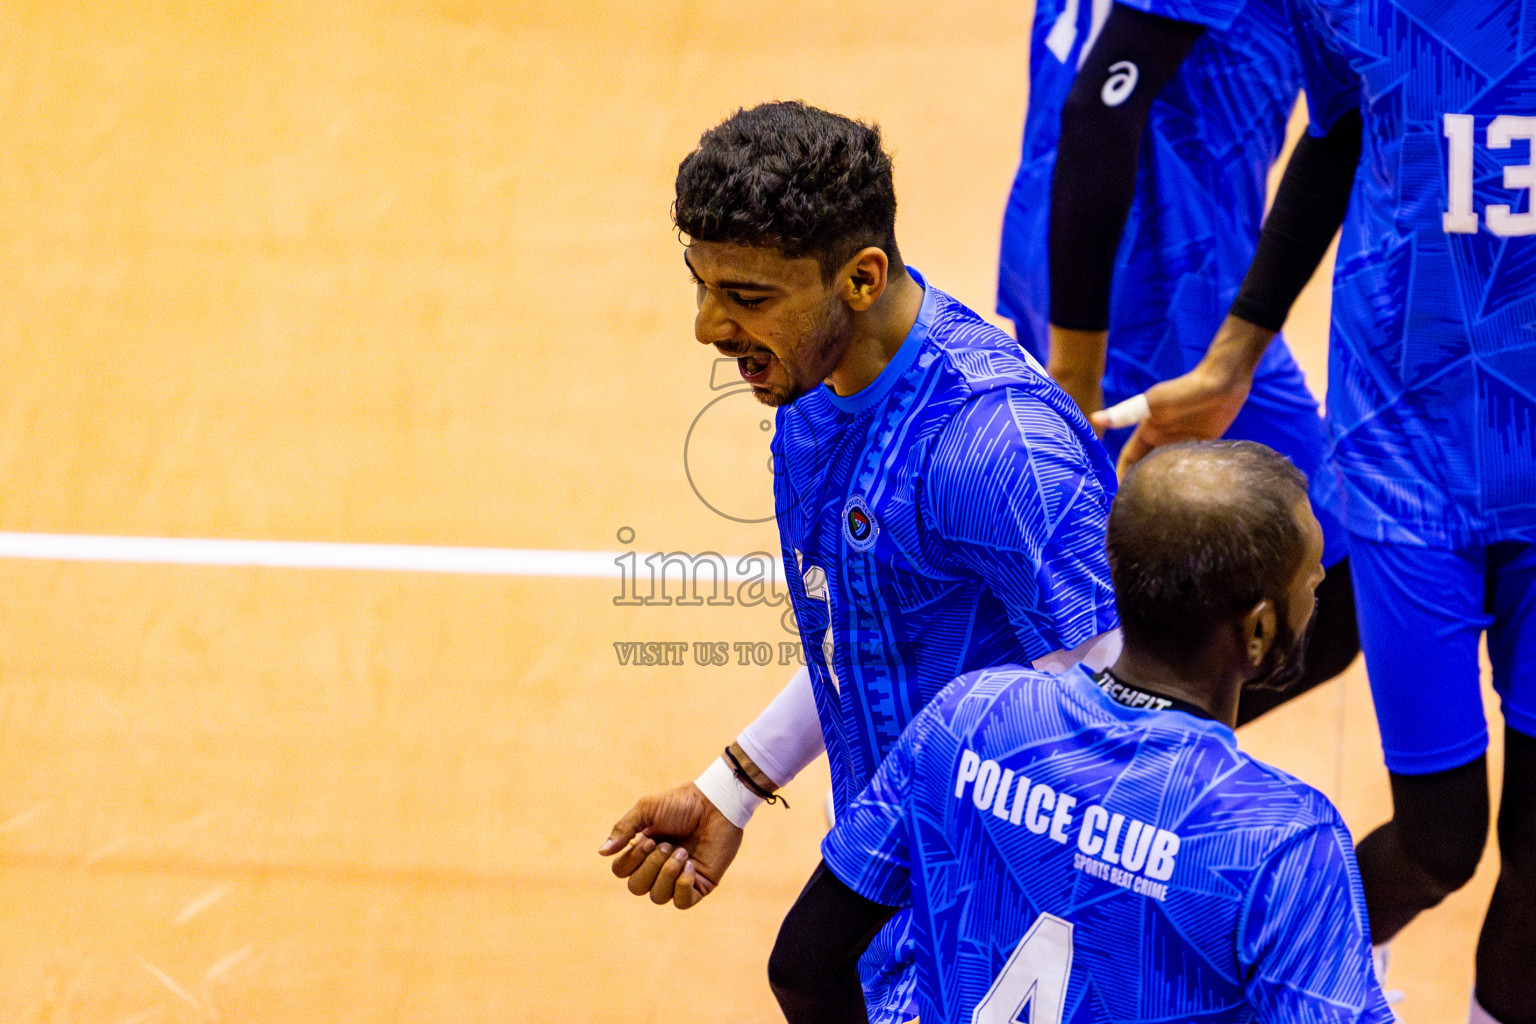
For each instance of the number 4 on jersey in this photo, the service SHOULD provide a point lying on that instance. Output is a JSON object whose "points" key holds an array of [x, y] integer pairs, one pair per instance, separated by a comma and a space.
{"points": [[1032, 986]]}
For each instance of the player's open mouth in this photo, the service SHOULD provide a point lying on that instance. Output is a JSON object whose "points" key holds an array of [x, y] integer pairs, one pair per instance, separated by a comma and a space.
{"points": [[754, 366]]}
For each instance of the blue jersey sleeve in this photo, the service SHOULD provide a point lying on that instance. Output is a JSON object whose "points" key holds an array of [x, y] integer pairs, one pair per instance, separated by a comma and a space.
{"points": [[869, 849], [1217, 14], [1303, 940], [1332, 85], [1013, 495]]}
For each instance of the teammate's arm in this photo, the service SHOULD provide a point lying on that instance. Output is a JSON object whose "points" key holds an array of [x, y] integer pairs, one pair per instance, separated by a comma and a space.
{"points": [[1303, 939], [676, 845], [1094, 183], [814, 968], [865, 875], [1309, 207]]}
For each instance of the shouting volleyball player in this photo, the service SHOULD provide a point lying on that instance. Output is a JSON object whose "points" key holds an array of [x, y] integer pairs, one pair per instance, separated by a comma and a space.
{"points": [[1432, 421], [1151, 128], [941, 503], [1093, 847]]}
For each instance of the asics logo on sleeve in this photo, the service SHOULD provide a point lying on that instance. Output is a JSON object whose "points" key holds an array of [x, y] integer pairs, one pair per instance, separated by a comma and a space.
{"points": [[1121, 82]]}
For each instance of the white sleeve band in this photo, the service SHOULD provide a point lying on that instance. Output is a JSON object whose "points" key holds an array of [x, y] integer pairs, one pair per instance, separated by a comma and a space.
{"points": [[1097, 653], [726, 792], [787, 735], [1128, 413]]}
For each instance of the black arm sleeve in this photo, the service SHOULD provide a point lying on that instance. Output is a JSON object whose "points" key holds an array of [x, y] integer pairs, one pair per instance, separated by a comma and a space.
{"points": [[1095, 177], [814, 968], [1309, 207]]}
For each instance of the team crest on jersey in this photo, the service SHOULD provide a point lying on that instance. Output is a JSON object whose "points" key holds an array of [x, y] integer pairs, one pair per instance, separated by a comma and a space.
{"points": [[859, 524]]}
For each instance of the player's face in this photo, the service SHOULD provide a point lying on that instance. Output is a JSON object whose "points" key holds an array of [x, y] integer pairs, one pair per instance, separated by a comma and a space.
{"points": [[1286, 659], [1302, 597], [784, 326]]}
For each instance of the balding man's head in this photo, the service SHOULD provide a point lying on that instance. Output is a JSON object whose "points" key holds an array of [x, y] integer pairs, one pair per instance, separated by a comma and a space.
{"points": [[1198, 535]]}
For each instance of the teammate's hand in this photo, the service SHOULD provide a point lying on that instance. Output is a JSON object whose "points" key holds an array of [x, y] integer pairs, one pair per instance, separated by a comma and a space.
{"points": [[1200, 405], [681, 846]]}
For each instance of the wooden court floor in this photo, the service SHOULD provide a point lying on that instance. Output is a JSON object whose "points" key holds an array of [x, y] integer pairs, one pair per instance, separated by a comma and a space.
{"points": [[402, 272]]}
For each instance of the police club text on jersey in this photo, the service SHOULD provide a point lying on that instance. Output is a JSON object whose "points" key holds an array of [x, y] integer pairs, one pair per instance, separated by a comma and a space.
{"points": [[1113, 847]]}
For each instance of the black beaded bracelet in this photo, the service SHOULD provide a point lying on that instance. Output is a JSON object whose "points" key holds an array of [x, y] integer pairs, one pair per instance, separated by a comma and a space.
{"points": [[746, 780]]}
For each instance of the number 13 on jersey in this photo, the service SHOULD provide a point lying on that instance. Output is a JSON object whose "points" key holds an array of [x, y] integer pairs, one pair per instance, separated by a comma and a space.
{"points": [[1034, 976], [1460, 217]]}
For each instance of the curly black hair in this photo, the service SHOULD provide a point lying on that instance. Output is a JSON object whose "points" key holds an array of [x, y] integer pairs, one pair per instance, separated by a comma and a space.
{"points": [[794, 177]]}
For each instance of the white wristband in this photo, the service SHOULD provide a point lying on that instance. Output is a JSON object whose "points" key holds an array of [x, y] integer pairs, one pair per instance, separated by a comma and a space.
{"points": [[726, 792]]}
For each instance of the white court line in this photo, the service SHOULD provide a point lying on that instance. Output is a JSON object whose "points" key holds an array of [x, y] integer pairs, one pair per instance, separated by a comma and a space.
{"points": [[287, 554]]}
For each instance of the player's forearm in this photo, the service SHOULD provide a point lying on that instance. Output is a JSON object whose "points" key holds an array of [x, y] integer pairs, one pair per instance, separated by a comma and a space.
{"points": [[1235, 352], [1076, 362], [1309, 207], [1094, 181], [787, 735], [749, 767], [768, 754]]}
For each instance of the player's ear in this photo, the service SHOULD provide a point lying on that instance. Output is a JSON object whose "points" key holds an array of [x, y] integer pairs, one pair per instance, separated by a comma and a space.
{"points": [[1258, 632], [863, 278]]}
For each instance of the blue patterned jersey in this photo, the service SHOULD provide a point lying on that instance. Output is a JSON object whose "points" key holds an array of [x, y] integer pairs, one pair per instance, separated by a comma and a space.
{"points": [[1211, 136], [948, 517], [1103, 863], [1432, 366]]}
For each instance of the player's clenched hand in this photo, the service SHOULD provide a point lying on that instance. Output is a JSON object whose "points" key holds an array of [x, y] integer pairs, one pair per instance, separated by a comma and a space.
{"points": [[1193, 407], [1200, 405], [678, 846]]}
